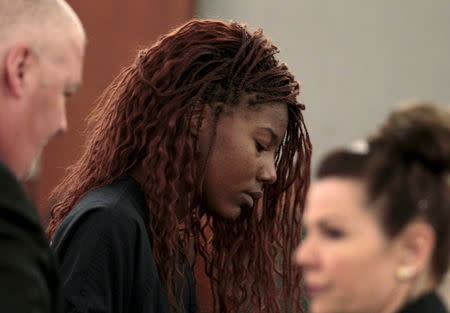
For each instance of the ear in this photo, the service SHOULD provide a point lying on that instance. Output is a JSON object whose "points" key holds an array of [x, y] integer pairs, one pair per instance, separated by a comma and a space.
{"points": [[197, 118], [203, 116], [18, 62], [416, 245]]}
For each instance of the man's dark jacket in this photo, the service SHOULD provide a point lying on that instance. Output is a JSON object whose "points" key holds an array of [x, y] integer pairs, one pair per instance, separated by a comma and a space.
{"points": [[29, 280]]}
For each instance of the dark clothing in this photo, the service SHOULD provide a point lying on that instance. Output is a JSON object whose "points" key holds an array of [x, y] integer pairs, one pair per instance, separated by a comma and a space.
{"points": [[29, 279], [106, 256], [429, 303]]}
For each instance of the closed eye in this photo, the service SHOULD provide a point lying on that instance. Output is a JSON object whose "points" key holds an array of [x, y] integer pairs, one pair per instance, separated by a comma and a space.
{"points": [[304, 231], [260, 147], [332, 233]]}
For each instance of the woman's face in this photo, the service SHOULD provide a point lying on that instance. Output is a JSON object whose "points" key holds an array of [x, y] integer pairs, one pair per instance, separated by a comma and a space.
{"points": [[349, 264], [242, 156]]}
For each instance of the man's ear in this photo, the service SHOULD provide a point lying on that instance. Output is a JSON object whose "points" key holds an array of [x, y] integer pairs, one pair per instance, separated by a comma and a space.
{"points": [[18, 61], [416, 242]]}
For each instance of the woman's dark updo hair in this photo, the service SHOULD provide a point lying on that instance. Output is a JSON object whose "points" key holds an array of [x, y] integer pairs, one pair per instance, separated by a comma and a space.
{"points": [[406, 169]]}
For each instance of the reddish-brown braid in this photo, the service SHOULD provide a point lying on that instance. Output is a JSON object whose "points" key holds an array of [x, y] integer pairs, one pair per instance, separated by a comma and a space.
{"points": [[145, 119]]}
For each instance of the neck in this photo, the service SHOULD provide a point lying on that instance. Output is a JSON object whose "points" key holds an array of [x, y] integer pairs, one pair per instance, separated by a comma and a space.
{"points": [[396, 301], [422, 284], [11, 138], [411, 290]]}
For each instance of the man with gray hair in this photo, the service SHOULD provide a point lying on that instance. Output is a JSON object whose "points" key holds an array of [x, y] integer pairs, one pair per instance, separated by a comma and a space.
{"points": [[42, 45]]}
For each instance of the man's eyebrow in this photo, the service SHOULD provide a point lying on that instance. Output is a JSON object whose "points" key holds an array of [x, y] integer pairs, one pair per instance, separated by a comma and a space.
{"points": [[77, 86], [73, 88]]}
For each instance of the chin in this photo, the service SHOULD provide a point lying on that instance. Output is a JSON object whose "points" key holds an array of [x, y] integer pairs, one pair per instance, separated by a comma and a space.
{"points": [[233, 215], [228, 213], [321, 307]]}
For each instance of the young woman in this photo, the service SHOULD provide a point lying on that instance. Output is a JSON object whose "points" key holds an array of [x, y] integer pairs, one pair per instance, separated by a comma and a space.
{"points": [[197, 149], [377, 219]]}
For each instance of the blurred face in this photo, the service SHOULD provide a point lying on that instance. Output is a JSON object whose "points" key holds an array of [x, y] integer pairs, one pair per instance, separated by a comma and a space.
{"points": [[58, 76], [242, 156], [349, 265]]}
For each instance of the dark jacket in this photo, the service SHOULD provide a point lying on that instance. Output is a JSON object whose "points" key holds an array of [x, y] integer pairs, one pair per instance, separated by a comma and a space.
{"points": [[28, 271], [106, 256], [429, 303]]}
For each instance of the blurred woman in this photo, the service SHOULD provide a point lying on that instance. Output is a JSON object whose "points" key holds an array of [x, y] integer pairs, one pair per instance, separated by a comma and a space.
{"points": [[377, 219]]}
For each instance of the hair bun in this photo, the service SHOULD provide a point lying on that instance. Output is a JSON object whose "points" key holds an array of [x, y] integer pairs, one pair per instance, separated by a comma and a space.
{"points": [[419, 131]]}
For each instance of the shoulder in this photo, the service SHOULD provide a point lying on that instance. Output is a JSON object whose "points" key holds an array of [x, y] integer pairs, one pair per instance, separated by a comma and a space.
{"points": [[111, 210], [18, 216], [14, 202], [123, 198], [9, 183], [118, 202], [26, 261]]}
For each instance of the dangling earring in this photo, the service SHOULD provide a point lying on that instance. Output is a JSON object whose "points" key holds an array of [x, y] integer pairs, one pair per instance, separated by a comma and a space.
{"points": [[404, 272]]}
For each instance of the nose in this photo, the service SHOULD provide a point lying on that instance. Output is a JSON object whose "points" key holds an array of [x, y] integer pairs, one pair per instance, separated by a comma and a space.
{"points": [[63, 127], [60, 124], [268, 171], [304, 254], [298, 254], [63, 120]]}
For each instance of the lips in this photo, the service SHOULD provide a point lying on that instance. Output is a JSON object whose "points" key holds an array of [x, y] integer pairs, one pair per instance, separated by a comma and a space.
{"points": [[249, 198], [314, 290], [256, 195]]}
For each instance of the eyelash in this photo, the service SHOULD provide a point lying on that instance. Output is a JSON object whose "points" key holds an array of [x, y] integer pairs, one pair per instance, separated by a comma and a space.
{"points": [[304, 232], [328, 232], [260, 147], [333, 233]]}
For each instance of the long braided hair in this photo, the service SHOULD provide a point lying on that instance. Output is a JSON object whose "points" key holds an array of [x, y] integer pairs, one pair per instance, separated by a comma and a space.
{"points": [[144, 118]]}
